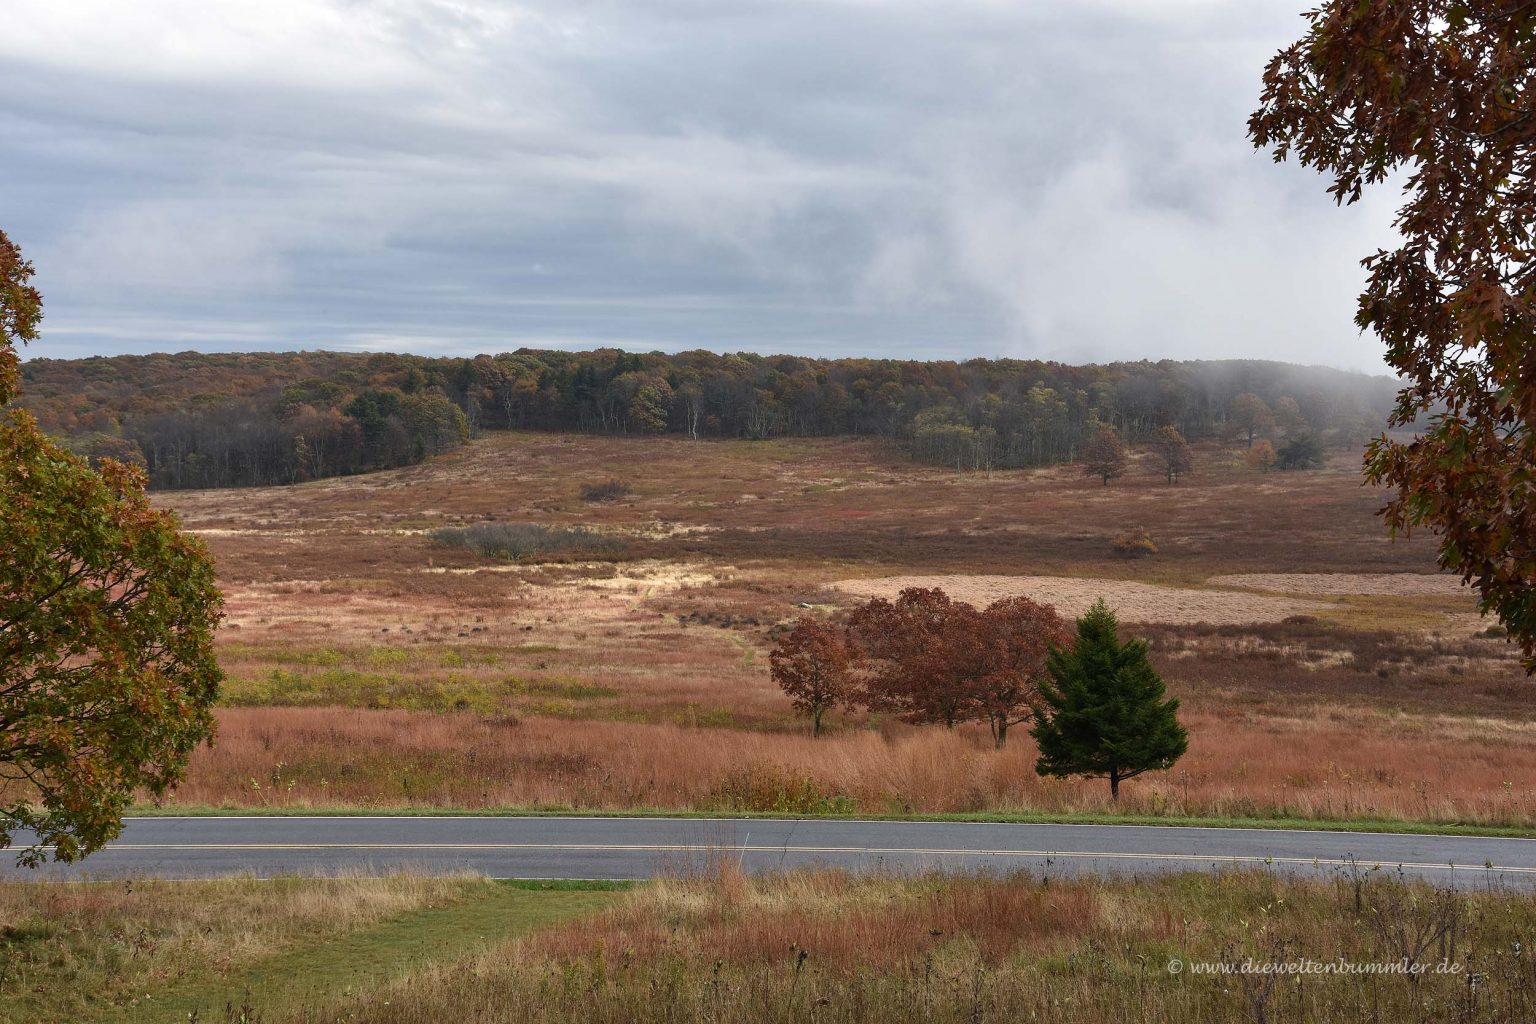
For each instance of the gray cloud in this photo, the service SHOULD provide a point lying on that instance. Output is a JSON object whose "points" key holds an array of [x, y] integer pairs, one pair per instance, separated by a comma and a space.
{"points": [[833, 177]]}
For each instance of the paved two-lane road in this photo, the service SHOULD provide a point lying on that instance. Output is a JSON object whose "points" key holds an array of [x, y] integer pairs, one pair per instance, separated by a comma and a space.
{"points": [[508, 847]]}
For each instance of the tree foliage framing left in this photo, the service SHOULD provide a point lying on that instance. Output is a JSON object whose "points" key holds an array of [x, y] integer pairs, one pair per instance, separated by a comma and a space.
{"points": [[107, 615]]}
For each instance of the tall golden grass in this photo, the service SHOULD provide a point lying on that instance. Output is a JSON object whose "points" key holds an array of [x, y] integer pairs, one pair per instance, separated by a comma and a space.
{"points": [[1347, 765]]}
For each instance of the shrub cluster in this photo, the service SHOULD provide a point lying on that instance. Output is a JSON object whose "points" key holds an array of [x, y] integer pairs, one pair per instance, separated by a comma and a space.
{"points": [[606, 490], [529, 541], [771, 789], [1135, 543]]}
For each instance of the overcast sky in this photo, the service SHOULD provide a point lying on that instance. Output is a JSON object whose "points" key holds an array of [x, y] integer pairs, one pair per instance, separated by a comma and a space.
{"points": [[1062, 179]]}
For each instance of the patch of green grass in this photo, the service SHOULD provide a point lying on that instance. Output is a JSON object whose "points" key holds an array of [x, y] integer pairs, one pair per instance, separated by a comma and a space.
{"points": [[444, 691], [360, 688], [360, 961], [568, 688], [569, 884]]}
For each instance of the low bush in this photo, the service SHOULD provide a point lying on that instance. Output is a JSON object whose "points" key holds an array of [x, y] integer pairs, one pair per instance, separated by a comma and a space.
{"points": [[768, 788], [607, 490], [1135, 543], [528, 541]]}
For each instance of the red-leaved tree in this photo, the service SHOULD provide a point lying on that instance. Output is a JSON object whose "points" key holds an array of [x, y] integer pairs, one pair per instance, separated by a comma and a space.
{"points": [[1015, 638], [813, 665], [913, 665]]}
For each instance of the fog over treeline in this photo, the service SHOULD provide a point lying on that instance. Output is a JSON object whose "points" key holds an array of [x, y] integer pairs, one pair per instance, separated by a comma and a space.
{"points": [[236, 419]]}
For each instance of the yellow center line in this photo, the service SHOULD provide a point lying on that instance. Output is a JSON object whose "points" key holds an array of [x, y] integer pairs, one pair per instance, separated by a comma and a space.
{"points": [[864, 850]]}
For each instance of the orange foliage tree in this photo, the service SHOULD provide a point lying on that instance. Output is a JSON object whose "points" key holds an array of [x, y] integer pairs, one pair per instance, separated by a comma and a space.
{"points": [[1443, 93], [107, 673], [1105, 455]]}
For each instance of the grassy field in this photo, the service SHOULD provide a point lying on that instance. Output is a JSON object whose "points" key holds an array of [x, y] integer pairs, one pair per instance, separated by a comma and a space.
{"points": [[150, 951], [814, 945], [1325, 673]]}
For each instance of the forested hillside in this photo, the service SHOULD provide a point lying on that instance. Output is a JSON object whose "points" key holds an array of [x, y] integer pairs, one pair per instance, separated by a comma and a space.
{"points": [[207, 420]]}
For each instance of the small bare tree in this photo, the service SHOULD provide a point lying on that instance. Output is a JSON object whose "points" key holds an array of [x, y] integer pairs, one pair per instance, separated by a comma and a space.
{"points": [[1173, 455]]}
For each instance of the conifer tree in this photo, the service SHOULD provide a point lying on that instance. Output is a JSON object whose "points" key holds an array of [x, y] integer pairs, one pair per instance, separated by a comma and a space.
{"points": [[1103, 714]]}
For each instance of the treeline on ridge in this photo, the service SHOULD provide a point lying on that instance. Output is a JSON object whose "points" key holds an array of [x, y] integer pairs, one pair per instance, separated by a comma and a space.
{"points": [[235, 419]]}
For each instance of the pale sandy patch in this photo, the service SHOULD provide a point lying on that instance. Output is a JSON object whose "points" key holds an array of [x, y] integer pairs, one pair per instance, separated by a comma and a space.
{"points": [[1133, 602], [649, 577], [1394, 584], [657, 577]]}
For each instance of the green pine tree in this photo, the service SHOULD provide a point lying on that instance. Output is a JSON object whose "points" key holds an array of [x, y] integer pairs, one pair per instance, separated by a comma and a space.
{"points": [[1103, 713]]}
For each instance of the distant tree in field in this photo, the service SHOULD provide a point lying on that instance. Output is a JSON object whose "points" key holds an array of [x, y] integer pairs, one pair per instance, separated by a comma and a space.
{"points": [[1304, 451], [1102, 710], [107, 612], [918, 655], [1288, 416], [813, 665], [1173, 455], [1105, 456], [1015, 636], [1261, 456], [1250, 415], [1437, 95]]}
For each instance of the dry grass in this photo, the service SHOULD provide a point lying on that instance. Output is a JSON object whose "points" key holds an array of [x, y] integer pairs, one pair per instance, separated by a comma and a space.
{"points": [[1391, 584], [1347, 764], [369, 667], [78, 949], [830, 947], [1071, 596], [808, 501]]}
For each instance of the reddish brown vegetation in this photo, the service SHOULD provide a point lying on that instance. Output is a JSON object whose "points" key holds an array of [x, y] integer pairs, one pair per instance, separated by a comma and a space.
{"points": [[647, 683], [930, 659], [813, 666], [1343, 763]]}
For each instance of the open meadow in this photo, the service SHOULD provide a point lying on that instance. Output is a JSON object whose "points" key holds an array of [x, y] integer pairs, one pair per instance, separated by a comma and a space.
{"points": [[1325, 671], [714, 945]]}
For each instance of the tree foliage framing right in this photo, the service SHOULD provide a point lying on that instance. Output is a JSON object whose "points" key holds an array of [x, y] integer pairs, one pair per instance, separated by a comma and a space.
{"points": [[1446, 92]]}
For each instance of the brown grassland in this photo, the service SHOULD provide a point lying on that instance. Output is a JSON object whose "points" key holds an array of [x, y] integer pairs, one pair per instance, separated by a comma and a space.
{"points": [[829, 946], [1324, 671], [814, 945]]}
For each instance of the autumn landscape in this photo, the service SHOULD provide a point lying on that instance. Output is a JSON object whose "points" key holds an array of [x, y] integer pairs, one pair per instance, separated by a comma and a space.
{"points": [[1326, 672], [832, 512]]}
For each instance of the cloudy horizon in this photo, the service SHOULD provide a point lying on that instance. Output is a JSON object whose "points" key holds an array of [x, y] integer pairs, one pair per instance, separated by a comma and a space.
{"points": [[1053, 180]]}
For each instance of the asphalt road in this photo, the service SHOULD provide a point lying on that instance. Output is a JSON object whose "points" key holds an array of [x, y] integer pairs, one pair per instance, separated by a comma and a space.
{"points": [[642, 847]]}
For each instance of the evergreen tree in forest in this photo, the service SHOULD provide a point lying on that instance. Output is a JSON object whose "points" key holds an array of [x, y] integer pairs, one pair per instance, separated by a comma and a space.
{"points": [[1103, 714]]}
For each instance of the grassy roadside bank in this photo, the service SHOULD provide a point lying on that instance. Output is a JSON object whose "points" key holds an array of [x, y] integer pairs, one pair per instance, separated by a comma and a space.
{"points": [[141, 952], [1389, 827]]}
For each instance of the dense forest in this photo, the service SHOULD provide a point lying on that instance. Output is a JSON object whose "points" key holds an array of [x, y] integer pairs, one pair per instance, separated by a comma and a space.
{"points": [[227, 419]]}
